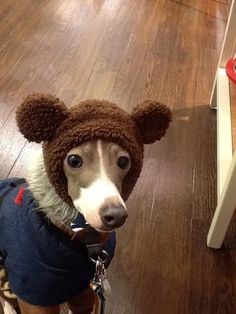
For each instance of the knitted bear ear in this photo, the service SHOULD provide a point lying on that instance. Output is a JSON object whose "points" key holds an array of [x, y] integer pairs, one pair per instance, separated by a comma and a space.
{"points": [[39, 116], [152, 119]]}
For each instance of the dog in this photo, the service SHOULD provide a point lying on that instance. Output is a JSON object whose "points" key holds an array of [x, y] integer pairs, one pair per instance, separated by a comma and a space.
{"points": [[99, 177], [91, 159]]}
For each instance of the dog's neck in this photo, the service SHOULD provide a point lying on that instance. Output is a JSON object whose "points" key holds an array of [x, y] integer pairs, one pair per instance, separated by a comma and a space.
{"points": [[48, 200]]}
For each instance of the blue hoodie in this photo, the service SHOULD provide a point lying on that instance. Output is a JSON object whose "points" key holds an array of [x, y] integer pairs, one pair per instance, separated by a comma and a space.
{"points": [[45, 267]]}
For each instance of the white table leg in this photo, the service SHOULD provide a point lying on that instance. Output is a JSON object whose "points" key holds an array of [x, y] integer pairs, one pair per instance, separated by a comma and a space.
{"points": [[224, 210], [224, 130], [213, 99], [229, 37], [226, 49]]}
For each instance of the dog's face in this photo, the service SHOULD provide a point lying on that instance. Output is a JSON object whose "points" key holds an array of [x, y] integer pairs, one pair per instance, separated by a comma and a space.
{"points": [[95, 171]]}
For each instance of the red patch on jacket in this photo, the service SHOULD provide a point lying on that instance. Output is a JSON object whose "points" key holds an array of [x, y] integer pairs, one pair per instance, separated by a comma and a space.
{"points": [[19, 196]]}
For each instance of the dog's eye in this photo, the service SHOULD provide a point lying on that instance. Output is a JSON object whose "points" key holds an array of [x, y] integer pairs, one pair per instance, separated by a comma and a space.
{"points": [[74, 161], [123, 162]]}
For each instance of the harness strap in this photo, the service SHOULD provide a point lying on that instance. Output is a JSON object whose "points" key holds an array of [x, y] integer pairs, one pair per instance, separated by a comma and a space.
{"points": [[93, 240]]}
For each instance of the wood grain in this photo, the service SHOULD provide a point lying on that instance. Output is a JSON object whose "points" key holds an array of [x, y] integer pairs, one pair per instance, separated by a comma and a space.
{"points": [[128, 51]]}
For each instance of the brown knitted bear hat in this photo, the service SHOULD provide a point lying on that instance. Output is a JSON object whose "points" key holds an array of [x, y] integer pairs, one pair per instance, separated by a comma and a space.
{"points": [[45, 118]]}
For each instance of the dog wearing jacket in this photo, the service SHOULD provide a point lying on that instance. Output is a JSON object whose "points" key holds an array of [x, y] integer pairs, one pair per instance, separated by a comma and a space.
{"points": [[91, 158]]}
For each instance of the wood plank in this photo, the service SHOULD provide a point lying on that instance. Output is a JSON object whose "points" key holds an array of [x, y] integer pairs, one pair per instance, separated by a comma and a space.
{"points": [[224, 210]]}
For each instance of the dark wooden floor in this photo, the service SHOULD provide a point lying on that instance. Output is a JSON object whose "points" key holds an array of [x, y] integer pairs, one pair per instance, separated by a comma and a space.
{"points": [[127, 51]]}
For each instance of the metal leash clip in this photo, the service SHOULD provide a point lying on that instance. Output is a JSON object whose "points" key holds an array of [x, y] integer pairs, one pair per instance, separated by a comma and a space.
{"points": [[99, 278]]}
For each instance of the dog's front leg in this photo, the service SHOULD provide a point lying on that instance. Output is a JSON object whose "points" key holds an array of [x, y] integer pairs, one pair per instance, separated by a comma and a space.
{"points": [[83, 303], [6, 308], [27, 308]]}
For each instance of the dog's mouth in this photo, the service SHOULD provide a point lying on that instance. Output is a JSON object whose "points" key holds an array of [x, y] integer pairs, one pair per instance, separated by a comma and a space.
{"points": [[104, 229], [101, 229]]}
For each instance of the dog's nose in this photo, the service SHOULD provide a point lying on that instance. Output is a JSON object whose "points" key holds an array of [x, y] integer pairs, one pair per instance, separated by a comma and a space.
{"points": [[113, 216]]}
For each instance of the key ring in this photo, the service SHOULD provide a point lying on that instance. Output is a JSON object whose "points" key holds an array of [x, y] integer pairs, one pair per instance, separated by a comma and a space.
{"points": [[103, 257]]}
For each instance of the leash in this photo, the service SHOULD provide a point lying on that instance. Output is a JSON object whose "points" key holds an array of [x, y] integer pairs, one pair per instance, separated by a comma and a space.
{"points": [[94, 242]]}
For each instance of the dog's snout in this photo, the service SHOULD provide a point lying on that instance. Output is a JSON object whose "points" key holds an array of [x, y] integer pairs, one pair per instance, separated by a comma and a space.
{"points": [[113, 216]]}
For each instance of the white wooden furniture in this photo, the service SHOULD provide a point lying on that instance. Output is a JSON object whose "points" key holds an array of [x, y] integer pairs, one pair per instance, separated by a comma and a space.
{"points": [[226, 159]]}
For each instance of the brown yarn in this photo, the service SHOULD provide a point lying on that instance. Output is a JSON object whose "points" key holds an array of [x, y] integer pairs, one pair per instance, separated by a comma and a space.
{"points": [[45, 118], [39, 116], [152, 120]]}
